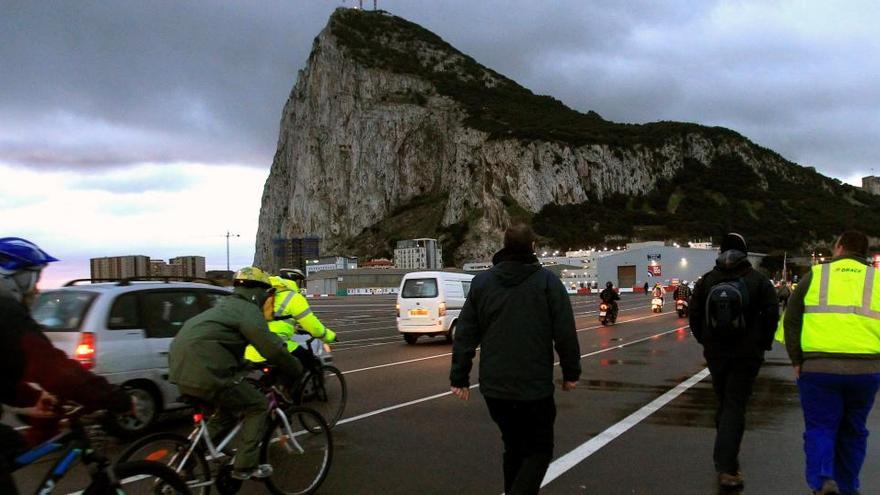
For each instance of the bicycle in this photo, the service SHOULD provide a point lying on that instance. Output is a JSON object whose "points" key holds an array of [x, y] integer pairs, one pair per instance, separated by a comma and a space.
{"points": [[301, 459], [322, 386], [107, 478]]}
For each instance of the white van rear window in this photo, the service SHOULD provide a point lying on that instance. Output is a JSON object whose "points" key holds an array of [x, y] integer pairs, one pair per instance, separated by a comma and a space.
{"points": [[419, 287]]}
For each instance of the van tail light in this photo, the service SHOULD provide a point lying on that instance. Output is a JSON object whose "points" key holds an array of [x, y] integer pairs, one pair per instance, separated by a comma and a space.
{"points": [[441, 309], [85, 350], [398, 310]]}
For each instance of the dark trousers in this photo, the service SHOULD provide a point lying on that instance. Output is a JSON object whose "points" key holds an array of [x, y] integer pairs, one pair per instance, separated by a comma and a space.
{"points": [[732, 380], [11, 445], [836, 439], [527, 431], [240, 402]]}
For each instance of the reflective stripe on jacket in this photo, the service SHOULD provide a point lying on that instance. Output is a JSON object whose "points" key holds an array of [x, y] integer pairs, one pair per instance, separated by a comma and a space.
{"points": [[842, 309], [291, 308]]}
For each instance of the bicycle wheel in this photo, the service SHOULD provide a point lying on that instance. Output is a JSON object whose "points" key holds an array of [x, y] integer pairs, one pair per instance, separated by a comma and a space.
{"points": [[300, 460], [137, 478], [325, 391], [170, 449]]}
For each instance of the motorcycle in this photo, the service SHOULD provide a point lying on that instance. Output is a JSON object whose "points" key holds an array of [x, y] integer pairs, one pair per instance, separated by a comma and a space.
{"points": [[657, 305], [607, 315], [681, 306]]}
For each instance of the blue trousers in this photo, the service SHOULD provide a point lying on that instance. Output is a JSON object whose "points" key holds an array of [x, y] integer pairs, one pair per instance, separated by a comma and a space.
{"points": [[836, 408]]}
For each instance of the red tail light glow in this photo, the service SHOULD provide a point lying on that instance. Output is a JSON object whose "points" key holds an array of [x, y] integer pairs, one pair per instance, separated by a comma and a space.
{"points": [[198, 417], [85, 350]]}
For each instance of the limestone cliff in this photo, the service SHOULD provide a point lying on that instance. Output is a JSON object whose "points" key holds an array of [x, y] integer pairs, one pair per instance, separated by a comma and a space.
{"points": [[390, 131]]}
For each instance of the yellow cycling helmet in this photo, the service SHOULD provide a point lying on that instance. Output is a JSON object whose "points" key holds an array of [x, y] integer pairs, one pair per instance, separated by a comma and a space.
{"points": [[281, 283], [251, 276]]}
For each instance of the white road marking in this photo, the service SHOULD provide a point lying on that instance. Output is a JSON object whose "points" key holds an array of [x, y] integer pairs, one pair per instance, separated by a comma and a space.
{"points": [[591, 446], [444, 394], [441, 355], [369, 339], [397, 363]]}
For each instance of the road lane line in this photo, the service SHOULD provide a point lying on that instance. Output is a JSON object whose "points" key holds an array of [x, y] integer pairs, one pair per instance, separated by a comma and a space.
{"points": [[396, 363], [369, 339], [442, 355], [444, 394], [566, 462]]}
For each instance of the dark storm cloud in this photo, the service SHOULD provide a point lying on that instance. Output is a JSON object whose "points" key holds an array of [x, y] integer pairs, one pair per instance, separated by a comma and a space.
{"points": [[206, 81]]}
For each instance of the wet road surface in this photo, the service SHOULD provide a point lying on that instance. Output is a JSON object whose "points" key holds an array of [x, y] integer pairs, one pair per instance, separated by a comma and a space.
{"points": [[640, 422]]}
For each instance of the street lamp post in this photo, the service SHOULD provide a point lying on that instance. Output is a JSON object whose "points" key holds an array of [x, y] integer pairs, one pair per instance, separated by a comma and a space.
{"points": [[228, 235]]}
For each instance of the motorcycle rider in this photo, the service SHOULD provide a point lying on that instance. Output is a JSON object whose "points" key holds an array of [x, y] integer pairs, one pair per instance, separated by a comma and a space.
{"points": [[290, 309], [29, 356], [206, 361], [610, 296], [683, 291], [658, 292]]}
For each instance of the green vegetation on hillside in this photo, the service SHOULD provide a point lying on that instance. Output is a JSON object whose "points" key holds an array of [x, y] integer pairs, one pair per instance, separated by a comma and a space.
{"points": [[494, 103], [709, 201], [773, 211], [421, 217]]}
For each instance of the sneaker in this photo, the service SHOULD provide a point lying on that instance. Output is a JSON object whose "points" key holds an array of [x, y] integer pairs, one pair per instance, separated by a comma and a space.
{"points": [[261, 471], [731, 480], [829, 487]]}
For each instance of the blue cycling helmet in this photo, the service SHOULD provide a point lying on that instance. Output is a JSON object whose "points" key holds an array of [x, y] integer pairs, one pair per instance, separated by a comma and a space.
{"points": [[21, 262], [19, 254]]}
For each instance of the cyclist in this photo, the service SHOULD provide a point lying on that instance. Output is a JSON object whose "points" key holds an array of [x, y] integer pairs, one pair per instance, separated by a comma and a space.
{"points": [[29, 356], [206, 361], [292, 308]]}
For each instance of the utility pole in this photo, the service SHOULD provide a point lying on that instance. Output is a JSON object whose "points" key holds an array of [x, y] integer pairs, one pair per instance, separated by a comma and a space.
{"points": [[228, 235]]}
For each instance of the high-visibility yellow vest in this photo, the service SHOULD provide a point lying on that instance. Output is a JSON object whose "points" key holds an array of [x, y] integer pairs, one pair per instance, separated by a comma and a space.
{"points": [[291, 308], [842, 309]]}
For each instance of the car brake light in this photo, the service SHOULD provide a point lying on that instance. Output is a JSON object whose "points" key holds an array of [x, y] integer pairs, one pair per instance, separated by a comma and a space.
{"points": [[441, 309], [85, 350], [398, 310]]}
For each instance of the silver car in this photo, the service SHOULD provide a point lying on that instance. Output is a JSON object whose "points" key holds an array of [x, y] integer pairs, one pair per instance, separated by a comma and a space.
{"points": [[122, 331]]}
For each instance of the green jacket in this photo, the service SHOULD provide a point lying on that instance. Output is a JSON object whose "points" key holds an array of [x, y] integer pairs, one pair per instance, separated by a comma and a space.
{"points": [[208, 352]]}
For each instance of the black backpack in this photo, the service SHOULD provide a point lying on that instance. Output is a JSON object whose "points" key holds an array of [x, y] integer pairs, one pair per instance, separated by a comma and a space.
{"points": [[726, 305]]}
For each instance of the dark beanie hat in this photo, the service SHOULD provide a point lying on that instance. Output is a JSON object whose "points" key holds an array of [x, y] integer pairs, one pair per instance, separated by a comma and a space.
{"points": [[733, 241]]}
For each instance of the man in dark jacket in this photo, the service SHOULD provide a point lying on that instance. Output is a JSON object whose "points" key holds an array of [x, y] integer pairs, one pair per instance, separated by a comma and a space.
{"points": [[734, 360], [29, 357], [517, 312]]}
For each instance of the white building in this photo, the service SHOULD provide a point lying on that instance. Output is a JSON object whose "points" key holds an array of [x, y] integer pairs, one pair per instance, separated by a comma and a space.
{"points": [[477, 266], [330, 263], [418, 254]]}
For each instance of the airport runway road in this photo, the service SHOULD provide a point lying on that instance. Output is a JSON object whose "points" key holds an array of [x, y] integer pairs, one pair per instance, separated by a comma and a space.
{"points": [[640, 422]]}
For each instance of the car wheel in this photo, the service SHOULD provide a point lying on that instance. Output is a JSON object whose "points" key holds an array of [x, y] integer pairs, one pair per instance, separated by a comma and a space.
{"points": [[132, 425], [450, 335], [410, 338]]}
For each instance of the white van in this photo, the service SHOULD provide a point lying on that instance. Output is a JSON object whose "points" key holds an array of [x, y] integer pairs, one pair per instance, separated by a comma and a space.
{"points": [[428, 303]]}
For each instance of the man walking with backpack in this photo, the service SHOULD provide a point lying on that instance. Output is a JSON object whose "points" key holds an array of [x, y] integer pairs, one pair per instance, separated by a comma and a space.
{"points": [[734, 313]]}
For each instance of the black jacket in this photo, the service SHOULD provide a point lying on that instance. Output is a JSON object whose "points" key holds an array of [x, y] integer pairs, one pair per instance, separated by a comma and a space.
{"points": [[681, 292], [29, 357], [609, 295], [516, 312], [761, 315]]}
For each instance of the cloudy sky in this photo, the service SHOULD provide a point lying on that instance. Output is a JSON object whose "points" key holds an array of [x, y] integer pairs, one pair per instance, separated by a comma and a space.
{"points": [[131, 127]]}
